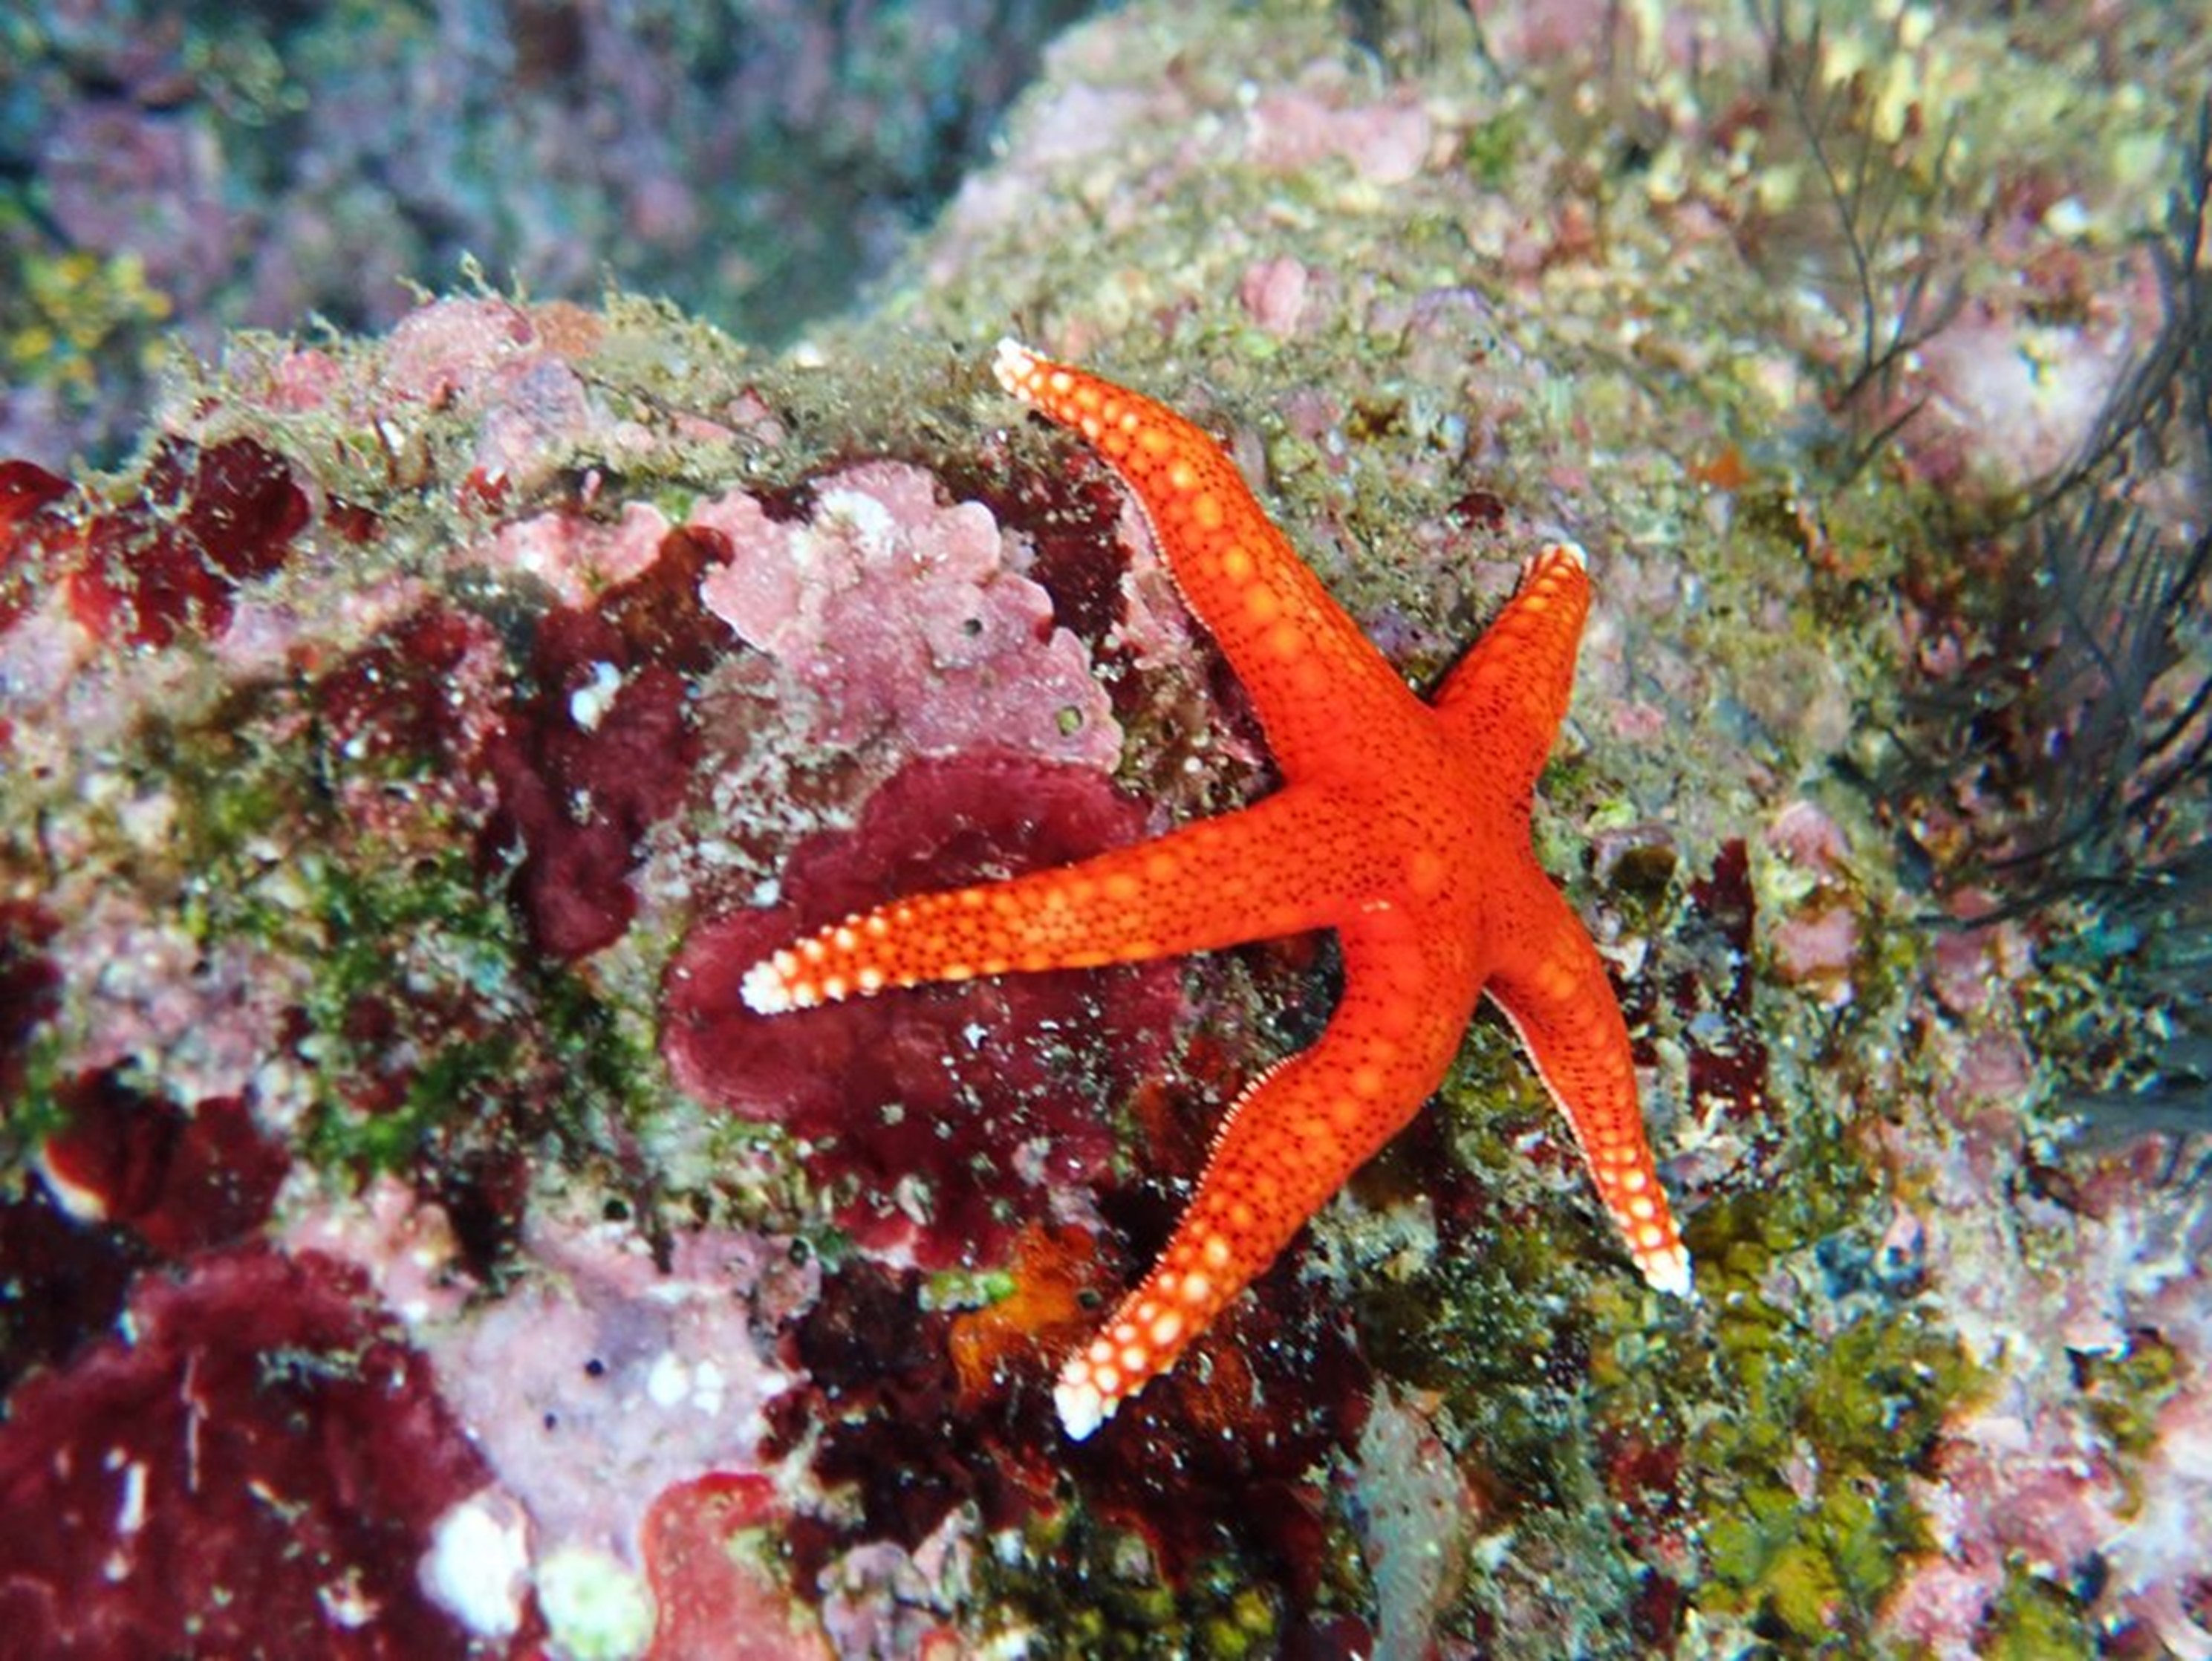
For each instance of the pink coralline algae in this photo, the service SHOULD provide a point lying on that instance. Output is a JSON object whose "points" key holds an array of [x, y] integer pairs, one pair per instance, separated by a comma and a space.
{"points": [[941, 1118], [1273, 293], [204, 1014], [602, 1379], [510, 368], [1970, 965], [257, 1465], [1816, 947], [577, 558], [1383, 143], [897, 611], [457, 349]]}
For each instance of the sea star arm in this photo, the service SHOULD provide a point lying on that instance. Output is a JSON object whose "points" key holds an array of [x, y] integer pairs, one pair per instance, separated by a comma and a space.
{"points": [[1551, 985], [1209, 885], [1291, 1141], [1313, 677], [1510, 691]]}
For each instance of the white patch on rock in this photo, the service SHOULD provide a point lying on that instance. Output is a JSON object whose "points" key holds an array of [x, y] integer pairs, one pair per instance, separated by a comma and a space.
{"points": [[477, 1567], [588, 704]]}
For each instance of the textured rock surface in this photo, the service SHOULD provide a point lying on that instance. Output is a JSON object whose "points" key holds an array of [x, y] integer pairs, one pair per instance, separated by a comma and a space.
{"points": [[407, 750]]}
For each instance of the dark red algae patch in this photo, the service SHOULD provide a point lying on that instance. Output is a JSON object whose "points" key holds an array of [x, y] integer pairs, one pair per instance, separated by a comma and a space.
{"points": [[940, 1117], [882, 1393], [395, 706], [1212, 1464], [605, 747], [1198, 1485], [1710, 979], [64, 1282], [256, 1471], [25, 491], [1654, 1514], [920, 1411], [30, 989], [203, 522], [26, 487], [1217, 1455], [179, 1180]]}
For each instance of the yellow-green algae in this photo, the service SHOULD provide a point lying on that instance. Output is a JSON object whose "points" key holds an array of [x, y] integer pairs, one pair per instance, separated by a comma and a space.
{"points": [[66, 316]]}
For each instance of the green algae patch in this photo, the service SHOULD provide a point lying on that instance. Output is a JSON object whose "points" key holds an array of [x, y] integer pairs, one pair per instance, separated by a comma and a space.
{"points": [[1803, 1467], [1076, 1588], [2035, 1620], [2126, 1391], [1763, 1439]]}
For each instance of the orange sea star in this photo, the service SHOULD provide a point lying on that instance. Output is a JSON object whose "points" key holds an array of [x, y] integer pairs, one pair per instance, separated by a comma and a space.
{"points": [[1403, 826]]}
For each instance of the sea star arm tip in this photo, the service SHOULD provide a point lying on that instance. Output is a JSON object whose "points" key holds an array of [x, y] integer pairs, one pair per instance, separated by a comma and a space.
{"points": [[1082, 1409], [1013, 363], [767, 987], [1320, 687], [1668, 1271], [1551, 987]]}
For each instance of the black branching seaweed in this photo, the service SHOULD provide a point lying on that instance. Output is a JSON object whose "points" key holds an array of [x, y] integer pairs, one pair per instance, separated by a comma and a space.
{"points": [[1864, 239], [2081, 744]]}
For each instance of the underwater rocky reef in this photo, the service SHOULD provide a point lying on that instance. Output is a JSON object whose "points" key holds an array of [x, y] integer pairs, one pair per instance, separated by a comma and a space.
{"points": [[411, 1244]]}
